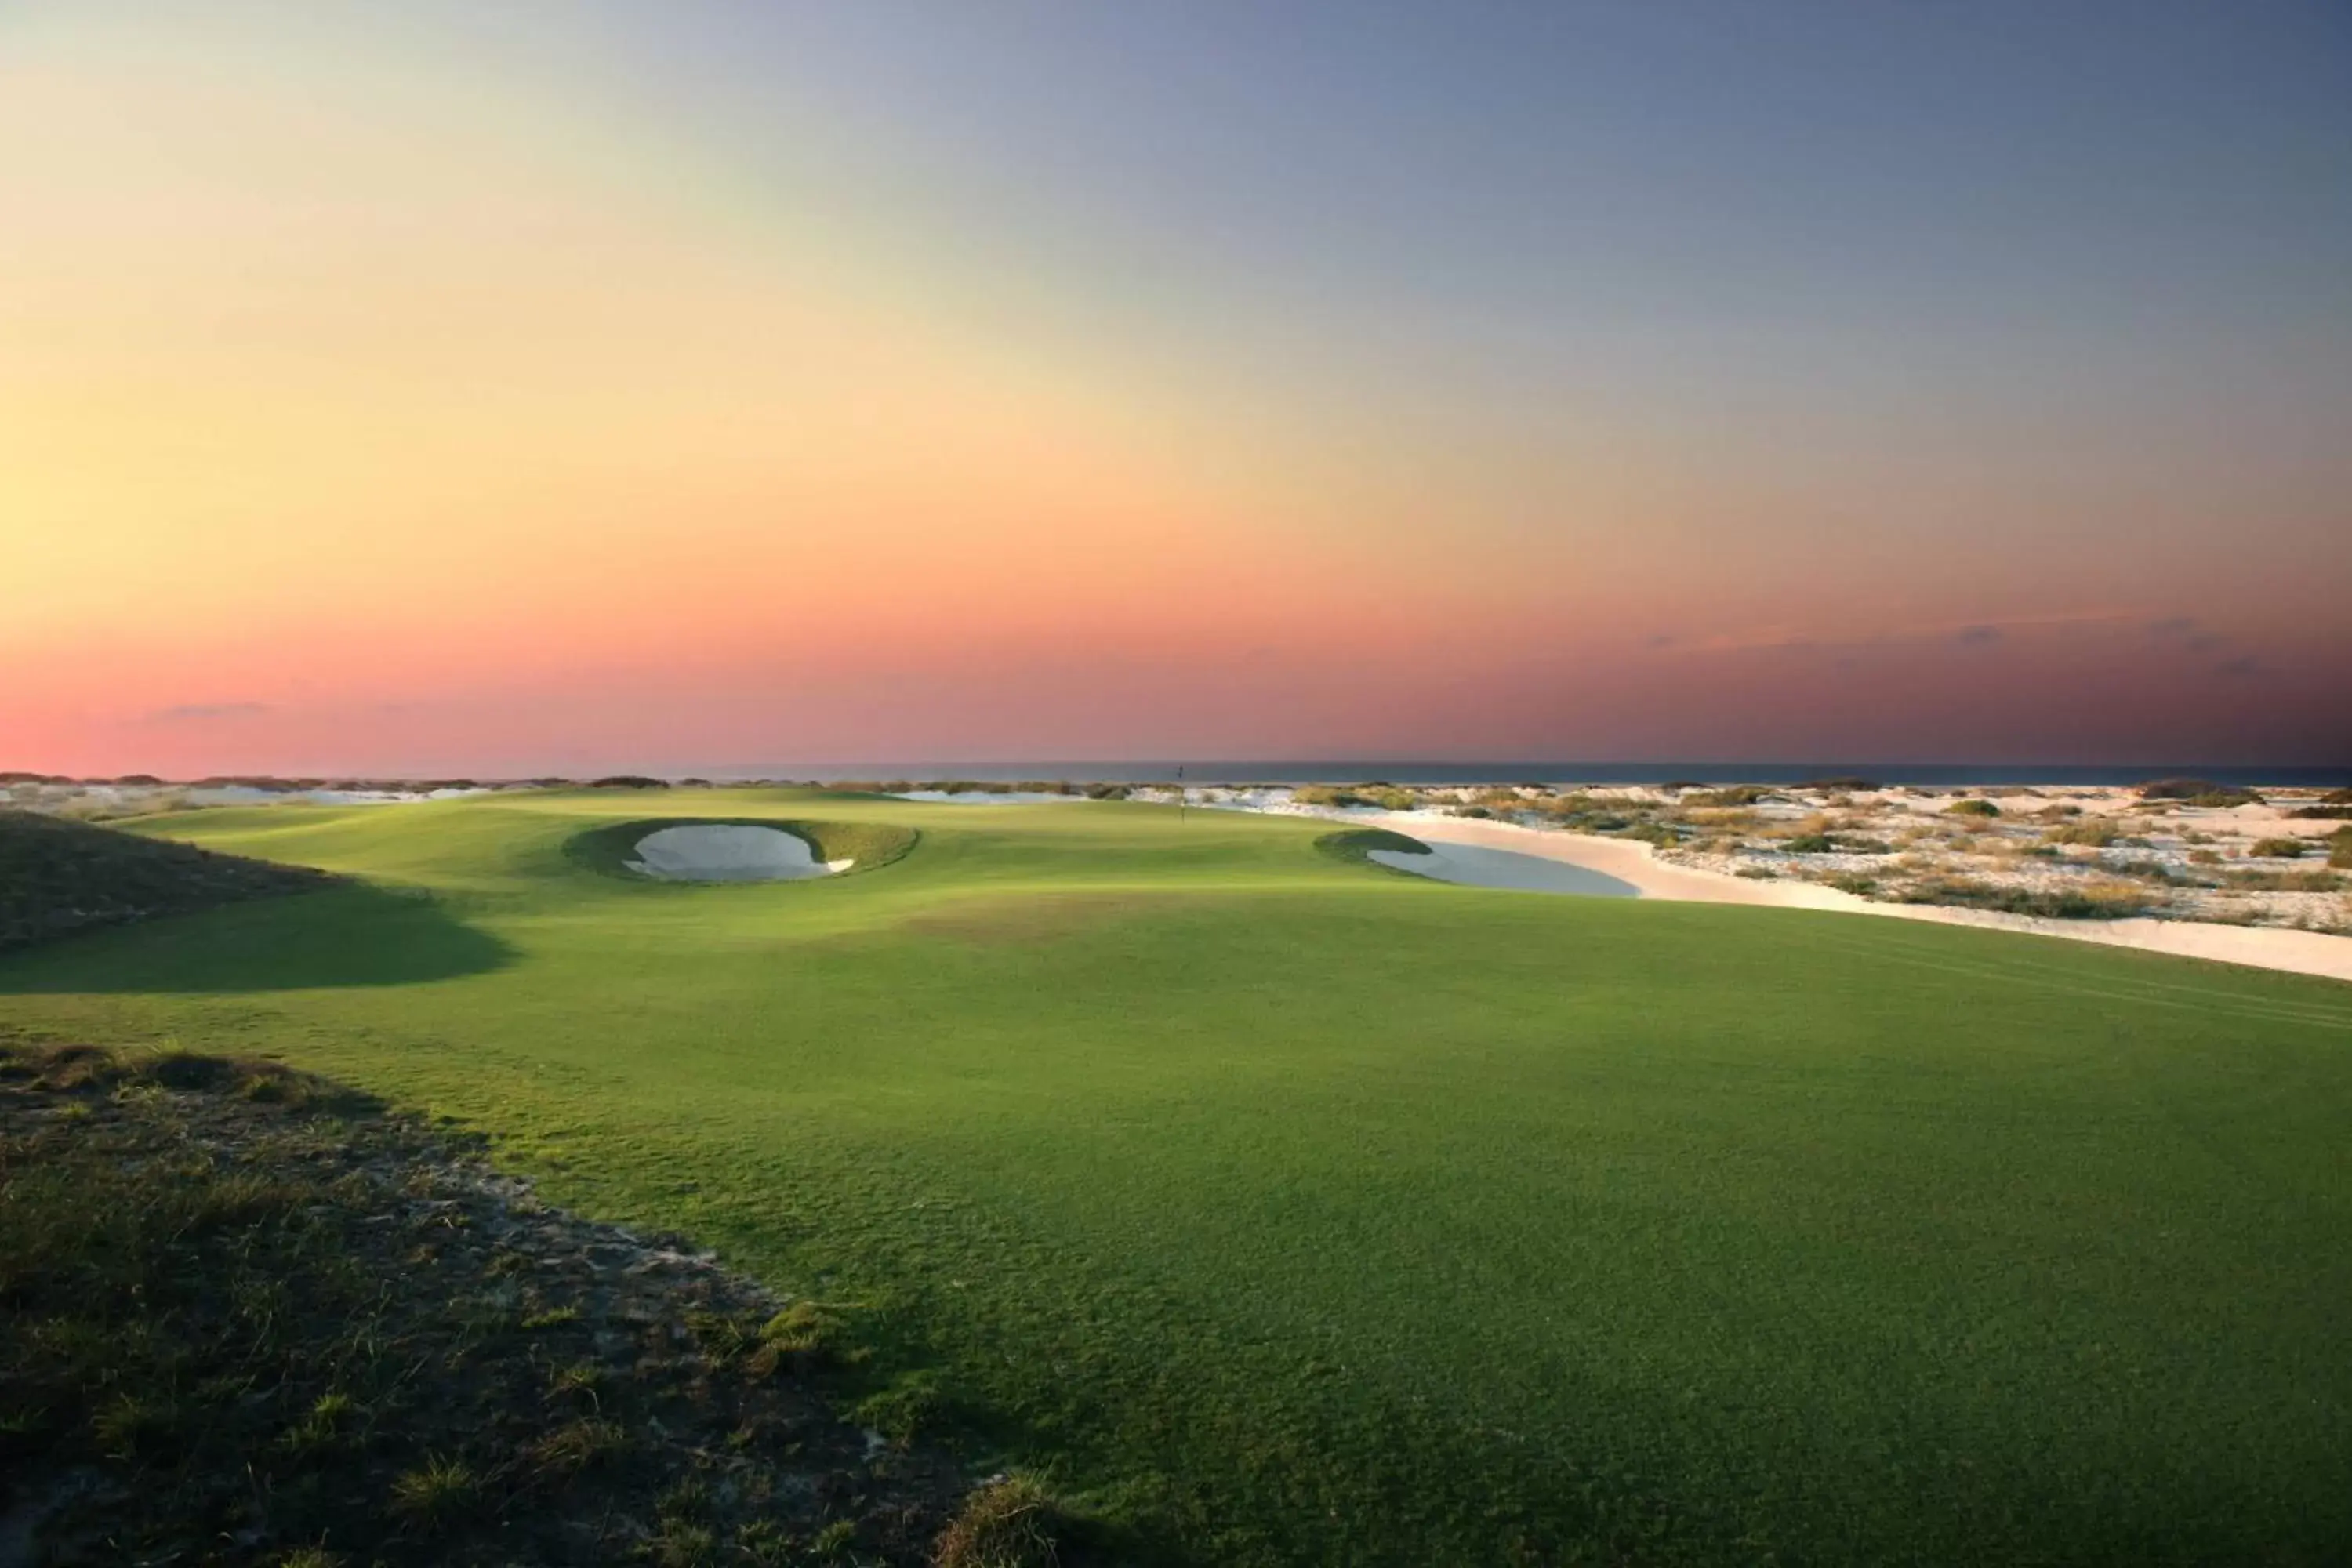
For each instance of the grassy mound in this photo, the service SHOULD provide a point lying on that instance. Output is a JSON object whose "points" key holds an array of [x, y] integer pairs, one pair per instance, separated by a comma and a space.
{"points": [[238, 1306], [870, 845], [1356, 845], [1292, 1215], [57, 877]]}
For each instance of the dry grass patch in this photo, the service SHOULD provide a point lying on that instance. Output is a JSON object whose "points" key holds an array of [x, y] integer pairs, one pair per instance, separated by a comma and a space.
{"points": [[1011, 1522]]}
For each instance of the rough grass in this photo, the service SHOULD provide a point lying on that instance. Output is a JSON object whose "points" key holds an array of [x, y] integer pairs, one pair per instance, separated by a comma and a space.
{"points": [[58, 876], [242, 1316], [1011, 1522], [2093, 833], [1291, 1213]]}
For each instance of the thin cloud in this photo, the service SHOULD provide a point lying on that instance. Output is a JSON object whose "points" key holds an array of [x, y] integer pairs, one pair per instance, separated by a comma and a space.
{"points": [[2245, 666], [206, 712], [1971, 634], [2184, 631]]}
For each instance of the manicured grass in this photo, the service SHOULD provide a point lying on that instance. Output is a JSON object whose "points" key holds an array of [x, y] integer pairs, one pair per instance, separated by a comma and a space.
{"points": [[1305, 1213]]}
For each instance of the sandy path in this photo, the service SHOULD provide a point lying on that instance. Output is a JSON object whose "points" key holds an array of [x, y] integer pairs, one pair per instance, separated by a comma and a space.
{"points": [[2298, 951]]}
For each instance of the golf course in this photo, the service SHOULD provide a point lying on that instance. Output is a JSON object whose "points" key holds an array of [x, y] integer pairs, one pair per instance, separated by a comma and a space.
{"points": [[1282, 1207]]}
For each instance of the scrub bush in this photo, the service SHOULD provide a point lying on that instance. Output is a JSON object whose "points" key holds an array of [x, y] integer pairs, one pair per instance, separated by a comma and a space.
{"points": [[2198, 792]]}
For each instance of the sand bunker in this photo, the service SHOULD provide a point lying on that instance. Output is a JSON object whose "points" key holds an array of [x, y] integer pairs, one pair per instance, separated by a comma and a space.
{"points": [[715, 852], [1477, 867]]}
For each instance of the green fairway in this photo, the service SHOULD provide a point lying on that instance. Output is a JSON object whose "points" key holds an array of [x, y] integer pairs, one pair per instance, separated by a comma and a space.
{"points": [[1303, 1211]]}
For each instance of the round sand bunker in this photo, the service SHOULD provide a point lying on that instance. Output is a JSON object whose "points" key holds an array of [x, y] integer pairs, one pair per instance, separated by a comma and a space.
{"points": [[715, 852]]}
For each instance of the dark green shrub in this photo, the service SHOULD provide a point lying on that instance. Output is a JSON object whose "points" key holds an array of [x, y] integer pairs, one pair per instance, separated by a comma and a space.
{"points": [[2277, 848], [1972, 808], [1357, 843], [2198, 792]]}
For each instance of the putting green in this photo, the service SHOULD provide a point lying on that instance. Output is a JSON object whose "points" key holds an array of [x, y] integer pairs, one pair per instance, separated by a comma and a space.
{"points": [[1304, 1211]]}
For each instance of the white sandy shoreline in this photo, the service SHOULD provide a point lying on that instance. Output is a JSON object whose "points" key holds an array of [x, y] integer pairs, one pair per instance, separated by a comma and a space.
{"points": [[1628, 860]]}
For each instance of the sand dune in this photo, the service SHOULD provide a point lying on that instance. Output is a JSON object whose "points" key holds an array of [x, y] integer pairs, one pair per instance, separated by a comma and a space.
{"points": [[1635, 863]]}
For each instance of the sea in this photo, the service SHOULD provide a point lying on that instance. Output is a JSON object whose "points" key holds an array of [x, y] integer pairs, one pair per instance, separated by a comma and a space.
{"points": [[1405, 771]]}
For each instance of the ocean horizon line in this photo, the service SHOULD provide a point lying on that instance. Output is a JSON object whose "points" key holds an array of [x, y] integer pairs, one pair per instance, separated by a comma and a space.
{"points": [[1424, 770]]}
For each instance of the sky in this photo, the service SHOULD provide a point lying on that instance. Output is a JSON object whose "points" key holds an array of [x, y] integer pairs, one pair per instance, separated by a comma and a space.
{"points": [[524, 387]]}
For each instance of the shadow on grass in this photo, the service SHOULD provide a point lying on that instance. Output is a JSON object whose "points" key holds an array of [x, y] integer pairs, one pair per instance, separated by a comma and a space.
{"points": [[355, 935]]}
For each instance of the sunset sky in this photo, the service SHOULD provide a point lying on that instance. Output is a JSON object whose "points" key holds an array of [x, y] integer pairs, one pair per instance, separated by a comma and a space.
{"points": [[461, 387]]}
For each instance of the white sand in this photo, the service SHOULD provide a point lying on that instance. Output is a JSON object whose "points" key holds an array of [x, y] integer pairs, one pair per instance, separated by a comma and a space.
{"points": [[1475, 865], [1635, 863], [720, 852]]}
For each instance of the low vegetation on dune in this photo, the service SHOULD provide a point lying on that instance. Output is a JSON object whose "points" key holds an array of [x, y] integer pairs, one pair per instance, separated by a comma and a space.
{"points": [[245, 1316], [2198, 792], [2105, 899], [1371, 796], [58, 876]]}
